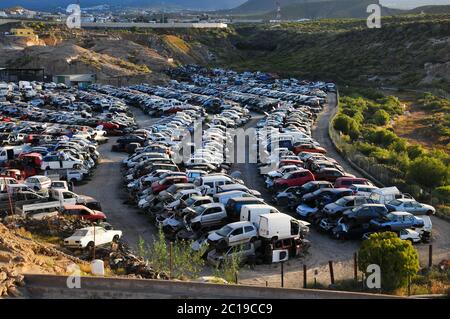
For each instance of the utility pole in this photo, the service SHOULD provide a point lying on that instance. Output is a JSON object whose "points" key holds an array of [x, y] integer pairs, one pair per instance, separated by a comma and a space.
{"points": [[278, 10]]}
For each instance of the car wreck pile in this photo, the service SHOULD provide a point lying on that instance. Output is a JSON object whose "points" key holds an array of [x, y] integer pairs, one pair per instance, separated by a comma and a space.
{"points": [[200, 196]]}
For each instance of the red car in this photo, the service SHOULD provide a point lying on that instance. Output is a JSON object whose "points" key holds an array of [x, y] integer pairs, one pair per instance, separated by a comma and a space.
{"points": [[167, 182], [290, 162], [330, 174], [308, 148], [346, 182], [83, 212], [295, 178]]}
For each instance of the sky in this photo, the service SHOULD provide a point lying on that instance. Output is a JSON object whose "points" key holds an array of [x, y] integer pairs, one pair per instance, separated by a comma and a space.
{"points": [[410, 4]]}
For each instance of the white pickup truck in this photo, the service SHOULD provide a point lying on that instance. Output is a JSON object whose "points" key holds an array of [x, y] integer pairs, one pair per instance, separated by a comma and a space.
{"points": [[58, 198]]}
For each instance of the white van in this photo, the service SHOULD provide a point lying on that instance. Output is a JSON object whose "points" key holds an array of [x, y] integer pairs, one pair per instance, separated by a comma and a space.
{"points": [[209, 183], [251, 213], [387, 194], [275, 227]]}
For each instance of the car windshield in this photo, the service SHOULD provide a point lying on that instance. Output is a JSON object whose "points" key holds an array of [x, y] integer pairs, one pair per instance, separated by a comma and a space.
{"points": [[224, 231], [199, 210], [391, 217], [286, 176], [80, 232], [341, 202], [190, 201], [395, 202]]}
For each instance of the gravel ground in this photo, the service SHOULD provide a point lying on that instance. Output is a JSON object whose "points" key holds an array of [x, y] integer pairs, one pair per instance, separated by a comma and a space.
{"points": [[106, 186]]}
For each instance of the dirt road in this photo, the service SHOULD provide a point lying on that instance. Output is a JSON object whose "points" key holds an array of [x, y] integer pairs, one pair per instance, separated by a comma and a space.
{"points": [[106, 186]]}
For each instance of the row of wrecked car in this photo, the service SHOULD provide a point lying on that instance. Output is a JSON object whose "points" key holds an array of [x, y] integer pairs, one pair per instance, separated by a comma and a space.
{"points": [[306, 181], [199, 197]]}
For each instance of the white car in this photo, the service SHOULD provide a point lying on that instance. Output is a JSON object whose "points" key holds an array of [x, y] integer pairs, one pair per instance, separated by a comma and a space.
{"points": [[411, 235], [234, 234], [84, 237], [38, 182]]}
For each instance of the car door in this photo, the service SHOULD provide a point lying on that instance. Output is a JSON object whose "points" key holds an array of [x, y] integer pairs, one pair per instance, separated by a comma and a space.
{"points": [[417, 208], [408, 207], [100, 237], [236, 236]]}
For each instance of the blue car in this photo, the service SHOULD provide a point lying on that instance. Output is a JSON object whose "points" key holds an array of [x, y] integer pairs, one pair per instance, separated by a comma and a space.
{"points": [[396, 221]]}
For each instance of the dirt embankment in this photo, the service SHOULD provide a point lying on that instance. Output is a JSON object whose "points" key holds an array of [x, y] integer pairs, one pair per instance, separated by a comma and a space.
{"points": [[118, 58], [21, 254]]}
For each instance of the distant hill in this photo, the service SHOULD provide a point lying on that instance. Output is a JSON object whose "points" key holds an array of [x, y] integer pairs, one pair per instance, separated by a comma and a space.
{"points": [[431, 9], [262, 6], [185, 4], [328, 9]]}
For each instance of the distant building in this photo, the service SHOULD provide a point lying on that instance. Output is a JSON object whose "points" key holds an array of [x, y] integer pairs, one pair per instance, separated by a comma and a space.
{"points": [[80, 80], [22, 32], [16, 75], [3, 14]]}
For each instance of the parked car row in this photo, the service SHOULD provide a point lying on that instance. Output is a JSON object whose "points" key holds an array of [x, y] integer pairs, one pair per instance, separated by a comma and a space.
{"points": [[200, 198], [57, 104], [306, 181]]}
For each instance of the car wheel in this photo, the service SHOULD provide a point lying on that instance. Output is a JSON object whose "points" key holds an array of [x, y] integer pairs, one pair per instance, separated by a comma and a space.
{"points": [[429, 213], [116, 239], [196, 227], [253, 239], [90, 246]]}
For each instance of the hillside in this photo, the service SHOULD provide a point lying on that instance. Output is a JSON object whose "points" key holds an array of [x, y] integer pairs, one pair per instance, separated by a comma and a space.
{"points": [[262, 6], [431, 9], [408, 51], [328, 9]]}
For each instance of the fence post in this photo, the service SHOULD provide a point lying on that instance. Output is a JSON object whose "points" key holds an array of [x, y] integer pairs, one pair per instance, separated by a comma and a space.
{"points": [[282, 274], [330, 263], [304, 277], [170, 259], [430, 256], [355, 266]]}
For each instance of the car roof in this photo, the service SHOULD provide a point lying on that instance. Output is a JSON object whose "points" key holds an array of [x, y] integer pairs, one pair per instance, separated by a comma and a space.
{"points": [[68, 207], [400, 213], [240, 224], [364, 186]]}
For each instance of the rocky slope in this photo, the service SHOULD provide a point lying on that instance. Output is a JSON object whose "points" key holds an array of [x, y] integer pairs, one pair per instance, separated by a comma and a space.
{"points": [[20, 254]]}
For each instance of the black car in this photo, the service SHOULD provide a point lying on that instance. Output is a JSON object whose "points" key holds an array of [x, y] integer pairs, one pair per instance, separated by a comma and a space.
{"points": [[324, 196], [364, 214], [291, 197]]}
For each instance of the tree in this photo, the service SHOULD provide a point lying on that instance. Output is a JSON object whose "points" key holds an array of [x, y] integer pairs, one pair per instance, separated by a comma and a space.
{"points": [[229, 269], [186, 263], [428, 171], [398, 259], [347, 125]]}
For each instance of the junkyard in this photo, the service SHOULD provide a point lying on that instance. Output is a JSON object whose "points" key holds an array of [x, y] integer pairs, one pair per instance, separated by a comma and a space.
{"points": [[236, 164]]}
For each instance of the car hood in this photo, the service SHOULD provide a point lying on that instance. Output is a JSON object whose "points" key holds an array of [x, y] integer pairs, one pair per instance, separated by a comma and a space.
{"points": [[214, 236], [274, 174]]}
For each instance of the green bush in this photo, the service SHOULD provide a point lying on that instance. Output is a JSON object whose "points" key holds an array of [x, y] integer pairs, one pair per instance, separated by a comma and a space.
{"points": [[443, 193], [347, 125], [428, 171], [381, 137], [415, 150], [398, 259], [381, 117]]}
